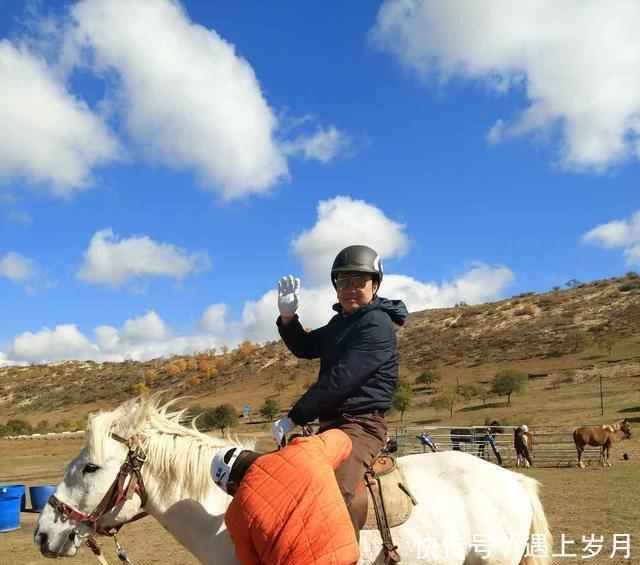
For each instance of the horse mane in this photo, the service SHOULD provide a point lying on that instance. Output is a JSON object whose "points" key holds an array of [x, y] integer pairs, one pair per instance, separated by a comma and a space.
{"points": [[176, 454]]}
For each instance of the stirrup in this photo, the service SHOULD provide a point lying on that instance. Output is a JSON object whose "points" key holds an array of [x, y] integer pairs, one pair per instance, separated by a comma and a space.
{"points": [[391, 554]]}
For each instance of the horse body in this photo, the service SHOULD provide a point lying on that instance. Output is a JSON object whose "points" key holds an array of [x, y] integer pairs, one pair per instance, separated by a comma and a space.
{"points": [[599, 436], [474, 436], [523, 444], [462, 500]]}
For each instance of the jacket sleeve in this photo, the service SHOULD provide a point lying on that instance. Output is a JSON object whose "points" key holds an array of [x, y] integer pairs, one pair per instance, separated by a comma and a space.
{"points": [[303, 344], [365, 350]]}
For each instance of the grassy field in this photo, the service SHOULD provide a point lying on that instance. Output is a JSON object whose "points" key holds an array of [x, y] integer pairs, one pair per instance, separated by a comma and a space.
{"points": [[578, 503]]}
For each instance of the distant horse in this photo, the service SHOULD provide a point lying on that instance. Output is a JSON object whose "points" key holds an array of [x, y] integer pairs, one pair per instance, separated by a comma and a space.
{"points": [[474, 436], [523, 443], [144, 460], [600, 436]]}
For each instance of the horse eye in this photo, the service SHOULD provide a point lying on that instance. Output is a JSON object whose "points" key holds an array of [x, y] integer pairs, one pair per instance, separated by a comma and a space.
{"points": [[90, 468]]}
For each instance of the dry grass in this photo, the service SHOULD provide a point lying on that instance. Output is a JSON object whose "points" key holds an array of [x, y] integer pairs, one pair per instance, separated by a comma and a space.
{"points": [[578, 502]]}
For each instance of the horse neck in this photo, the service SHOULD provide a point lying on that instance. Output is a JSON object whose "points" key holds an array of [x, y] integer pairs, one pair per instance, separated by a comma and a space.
{"points": [[195, 519]]}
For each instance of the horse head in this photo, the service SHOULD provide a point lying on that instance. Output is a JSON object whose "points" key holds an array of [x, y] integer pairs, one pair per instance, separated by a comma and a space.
{"points": [[72, 513], [141, 443], [495, 428], [625, 428]]}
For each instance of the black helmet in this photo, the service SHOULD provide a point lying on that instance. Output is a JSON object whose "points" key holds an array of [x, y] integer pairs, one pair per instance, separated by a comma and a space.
{"points": [[357, 259]]}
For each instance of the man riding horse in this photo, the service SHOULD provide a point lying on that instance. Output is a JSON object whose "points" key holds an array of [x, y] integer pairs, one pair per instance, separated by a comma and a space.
{"points": [[358, 365]]}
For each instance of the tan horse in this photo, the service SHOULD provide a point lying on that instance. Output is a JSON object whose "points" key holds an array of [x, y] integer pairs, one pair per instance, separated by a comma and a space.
{"points": [[600, 436], [523, 444]]}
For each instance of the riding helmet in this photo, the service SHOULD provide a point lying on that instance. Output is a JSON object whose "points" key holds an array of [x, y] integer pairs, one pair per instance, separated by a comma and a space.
{"points": [[357, 259]]}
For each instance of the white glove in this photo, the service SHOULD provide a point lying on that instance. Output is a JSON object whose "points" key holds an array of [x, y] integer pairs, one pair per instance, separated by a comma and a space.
{"points": [[288, 295], [280, 428]]}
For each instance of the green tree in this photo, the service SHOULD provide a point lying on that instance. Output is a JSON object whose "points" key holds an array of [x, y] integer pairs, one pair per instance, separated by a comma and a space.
{"points": [[401, 400], [446, 400], [220, 417], [270, 409], [429, 378], [508, 381]]}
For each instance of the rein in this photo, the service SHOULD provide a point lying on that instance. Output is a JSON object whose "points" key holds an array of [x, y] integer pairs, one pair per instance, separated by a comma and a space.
{"points": [[119, 491]]}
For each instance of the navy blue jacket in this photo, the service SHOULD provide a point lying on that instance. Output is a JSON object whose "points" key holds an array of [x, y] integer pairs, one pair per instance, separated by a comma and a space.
{"points": [[358, 360]]}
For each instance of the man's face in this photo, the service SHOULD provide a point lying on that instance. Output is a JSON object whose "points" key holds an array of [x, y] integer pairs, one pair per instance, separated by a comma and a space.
{"points": [[355, 290]]}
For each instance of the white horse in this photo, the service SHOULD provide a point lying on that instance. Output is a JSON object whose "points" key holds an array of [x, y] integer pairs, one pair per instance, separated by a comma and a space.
{"points": [[467, 508]]}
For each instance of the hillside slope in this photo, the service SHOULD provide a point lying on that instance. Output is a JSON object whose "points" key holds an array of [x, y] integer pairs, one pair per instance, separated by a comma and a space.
{"points": [[590, 330]]}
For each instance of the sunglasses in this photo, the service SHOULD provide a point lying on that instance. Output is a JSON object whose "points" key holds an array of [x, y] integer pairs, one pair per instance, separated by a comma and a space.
{"points": [[357, 282]]}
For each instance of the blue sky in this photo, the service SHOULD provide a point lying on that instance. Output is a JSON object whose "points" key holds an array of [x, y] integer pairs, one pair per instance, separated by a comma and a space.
{"points": [[164, 164]]}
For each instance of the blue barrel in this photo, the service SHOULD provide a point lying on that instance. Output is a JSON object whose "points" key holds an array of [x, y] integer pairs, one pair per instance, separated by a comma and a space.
{"points": [[40, 495], [9, 513], [14, 490]]}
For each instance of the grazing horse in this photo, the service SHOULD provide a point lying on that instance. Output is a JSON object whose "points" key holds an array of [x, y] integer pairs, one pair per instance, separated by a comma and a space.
{"points": [[523, 443], [474, 436], [169, 465], [600, 436]]}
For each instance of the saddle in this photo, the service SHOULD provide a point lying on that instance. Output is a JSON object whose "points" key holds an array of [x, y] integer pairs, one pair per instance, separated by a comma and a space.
{"points": [[389, 502]]}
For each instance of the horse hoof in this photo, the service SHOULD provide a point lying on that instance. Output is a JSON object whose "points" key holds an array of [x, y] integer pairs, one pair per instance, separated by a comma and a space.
{"points": [[582, 465]]}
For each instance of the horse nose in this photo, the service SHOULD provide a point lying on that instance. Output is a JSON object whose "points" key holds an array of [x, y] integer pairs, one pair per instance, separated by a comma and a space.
{"points": [[43, 540]]}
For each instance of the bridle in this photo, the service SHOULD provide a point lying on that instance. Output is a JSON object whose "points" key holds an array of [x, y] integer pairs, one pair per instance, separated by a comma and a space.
{"points": [[120, 490]]}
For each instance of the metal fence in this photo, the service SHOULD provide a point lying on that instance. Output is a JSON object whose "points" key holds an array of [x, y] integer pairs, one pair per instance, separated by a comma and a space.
{"points": [[552, 444]]}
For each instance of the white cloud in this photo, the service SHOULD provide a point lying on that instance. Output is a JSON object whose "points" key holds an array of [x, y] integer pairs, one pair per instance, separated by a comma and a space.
{"points": [[149, 327], [17, 267], [189, 100], [578, 64], [144, 337], [111, 261], [324, 145], [20, 216], [618, 234], [343, 221], [63, 342], [48, 136], [148, 336], [213, 318], [482, 283]]}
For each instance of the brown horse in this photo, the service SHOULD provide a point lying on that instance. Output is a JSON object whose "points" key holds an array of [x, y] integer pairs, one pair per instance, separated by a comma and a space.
{"points": [[523, 443], [600, 436]]}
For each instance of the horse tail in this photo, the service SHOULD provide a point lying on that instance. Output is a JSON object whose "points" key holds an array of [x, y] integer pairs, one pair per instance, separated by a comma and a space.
{"points": [[539, 524]]}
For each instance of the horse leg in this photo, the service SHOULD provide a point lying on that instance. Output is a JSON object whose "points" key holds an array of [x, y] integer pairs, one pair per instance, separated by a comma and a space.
{"points": [[608, 453], [580, 462]]}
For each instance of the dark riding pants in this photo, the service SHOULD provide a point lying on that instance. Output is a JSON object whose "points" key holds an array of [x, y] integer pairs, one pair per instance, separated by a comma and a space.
{"points": [[368, 433]]}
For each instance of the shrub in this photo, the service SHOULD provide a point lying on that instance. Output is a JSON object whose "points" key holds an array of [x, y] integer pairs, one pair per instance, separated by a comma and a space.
{"points": [[628, 286], [468, 391], [150, 375], [18, 427], [270, 409], [525, 310], [140, 388]]}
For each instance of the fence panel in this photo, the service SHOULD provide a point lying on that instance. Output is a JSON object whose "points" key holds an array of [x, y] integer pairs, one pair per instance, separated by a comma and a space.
{"points": [[552, 444]]}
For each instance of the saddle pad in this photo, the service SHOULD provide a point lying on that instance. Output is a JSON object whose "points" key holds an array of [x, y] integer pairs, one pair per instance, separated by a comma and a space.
{"points": [[397, 502]]}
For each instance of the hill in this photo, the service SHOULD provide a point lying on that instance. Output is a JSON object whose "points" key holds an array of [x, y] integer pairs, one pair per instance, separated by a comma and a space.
{"points": [[564, 340]]}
